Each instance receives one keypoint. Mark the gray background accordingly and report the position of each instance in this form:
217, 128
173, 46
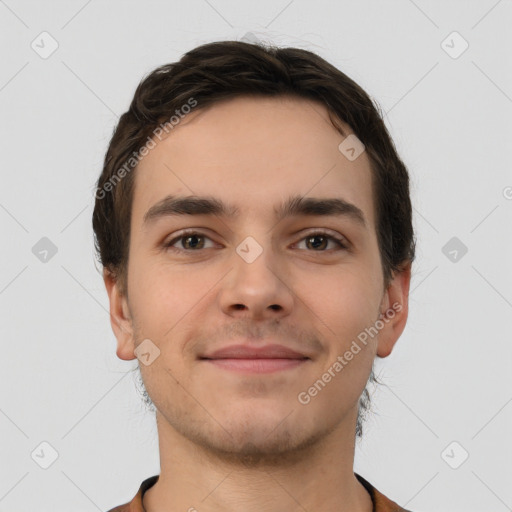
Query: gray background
448, 378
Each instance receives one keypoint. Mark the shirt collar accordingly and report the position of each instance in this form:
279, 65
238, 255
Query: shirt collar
380, 502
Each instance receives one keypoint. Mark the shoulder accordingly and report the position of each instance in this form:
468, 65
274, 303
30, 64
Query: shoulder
135, 505
381, 503
121, 508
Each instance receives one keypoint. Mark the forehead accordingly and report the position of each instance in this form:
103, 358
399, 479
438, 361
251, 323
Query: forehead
253, 153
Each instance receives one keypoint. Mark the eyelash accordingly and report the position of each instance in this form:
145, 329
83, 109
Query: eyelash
184, 234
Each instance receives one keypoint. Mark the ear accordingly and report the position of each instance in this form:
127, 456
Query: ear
120, 318
395, 302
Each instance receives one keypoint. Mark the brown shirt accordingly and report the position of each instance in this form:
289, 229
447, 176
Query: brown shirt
380, 502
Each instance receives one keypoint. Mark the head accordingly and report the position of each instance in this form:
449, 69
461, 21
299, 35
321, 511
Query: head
257, 130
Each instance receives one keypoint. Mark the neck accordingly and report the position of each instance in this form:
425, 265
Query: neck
315, 477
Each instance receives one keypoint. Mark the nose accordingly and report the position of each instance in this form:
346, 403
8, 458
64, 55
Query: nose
258, 289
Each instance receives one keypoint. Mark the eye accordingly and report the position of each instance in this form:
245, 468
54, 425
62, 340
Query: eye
194, 241
320, 239
190, 241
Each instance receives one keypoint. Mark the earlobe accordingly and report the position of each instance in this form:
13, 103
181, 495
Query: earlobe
395, 305
120, 318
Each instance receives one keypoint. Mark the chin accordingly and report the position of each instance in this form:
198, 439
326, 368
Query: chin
259, 446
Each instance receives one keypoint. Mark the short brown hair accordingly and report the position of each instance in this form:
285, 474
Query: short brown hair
221, 70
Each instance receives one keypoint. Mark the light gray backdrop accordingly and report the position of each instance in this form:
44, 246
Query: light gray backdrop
440, 436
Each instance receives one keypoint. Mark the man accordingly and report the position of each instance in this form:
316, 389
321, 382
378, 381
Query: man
254, 224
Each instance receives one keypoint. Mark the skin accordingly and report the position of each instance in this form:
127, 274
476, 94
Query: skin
232, 441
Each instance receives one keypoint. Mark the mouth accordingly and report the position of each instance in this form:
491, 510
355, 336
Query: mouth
246, 359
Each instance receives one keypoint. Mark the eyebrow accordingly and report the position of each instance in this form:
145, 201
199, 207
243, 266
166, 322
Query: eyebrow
294, 206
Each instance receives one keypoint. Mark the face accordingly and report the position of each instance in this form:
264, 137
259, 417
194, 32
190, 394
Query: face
305, 278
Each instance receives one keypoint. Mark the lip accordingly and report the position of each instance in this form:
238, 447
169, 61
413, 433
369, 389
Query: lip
246, 359
273, 351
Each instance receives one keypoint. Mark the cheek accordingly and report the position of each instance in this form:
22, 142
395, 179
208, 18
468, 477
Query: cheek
349, 307
344, 302
160, 296
345, 305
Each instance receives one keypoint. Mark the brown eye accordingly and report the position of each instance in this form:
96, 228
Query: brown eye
319, 241
190, 241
